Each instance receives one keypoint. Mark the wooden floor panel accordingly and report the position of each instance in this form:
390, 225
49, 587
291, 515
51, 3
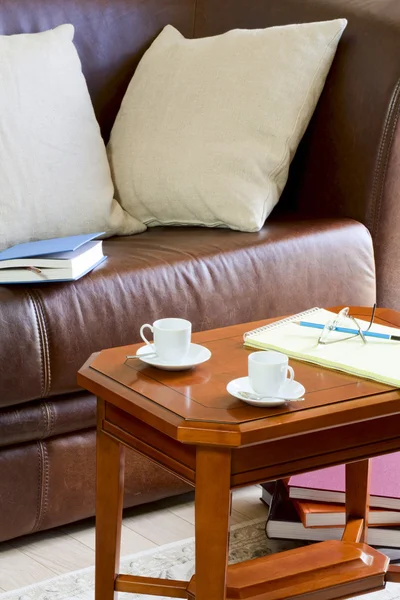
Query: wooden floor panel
44, 555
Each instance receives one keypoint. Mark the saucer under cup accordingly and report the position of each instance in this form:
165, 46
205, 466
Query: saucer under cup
196, 355
171, 338
291, 390
268, 372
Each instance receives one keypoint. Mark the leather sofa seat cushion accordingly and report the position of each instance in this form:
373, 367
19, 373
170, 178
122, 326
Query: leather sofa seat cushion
211, 277
52, 482
43, 419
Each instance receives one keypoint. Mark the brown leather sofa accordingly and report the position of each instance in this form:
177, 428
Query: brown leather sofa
315, 249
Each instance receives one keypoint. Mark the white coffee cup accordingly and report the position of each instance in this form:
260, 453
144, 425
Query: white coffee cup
268, 371
171, 338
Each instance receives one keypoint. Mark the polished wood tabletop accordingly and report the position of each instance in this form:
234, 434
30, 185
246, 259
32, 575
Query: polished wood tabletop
178, 402
188, 423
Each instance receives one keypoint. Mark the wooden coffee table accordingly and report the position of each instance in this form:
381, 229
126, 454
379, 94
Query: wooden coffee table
187, 423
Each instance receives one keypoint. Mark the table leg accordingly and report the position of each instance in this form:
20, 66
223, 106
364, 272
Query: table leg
212, 511
357, 493
110, 457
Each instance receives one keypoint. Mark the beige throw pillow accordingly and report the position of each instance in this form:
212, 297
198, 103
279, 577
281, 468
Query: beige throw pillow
208, 127
54, 175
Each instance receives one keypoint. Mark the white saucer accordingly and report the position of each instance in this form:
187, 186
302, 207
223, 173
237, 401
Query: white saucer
291, 390
197, 354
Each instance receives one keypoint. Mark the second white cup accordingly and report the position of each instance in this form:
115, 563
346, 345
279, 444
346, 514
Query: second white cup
268, 371
171, 338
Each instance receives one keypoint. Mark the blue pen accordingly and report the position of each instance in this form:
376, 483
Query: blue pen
383, 336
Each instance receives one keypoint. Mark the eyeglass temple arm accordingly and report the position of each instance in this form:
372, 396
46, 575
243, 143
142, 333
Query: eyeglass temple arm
372, 317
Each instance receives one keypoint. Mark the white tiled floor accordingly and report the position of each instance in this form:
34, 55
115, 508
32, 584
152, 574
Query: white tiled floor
43, 555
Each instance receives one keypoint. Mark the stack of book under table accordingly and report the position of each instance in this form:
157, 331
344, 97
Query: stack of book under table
311, 506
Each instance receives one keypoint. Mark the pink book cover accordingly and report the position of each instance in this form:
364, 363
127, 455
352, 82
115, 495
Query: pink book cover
384, 478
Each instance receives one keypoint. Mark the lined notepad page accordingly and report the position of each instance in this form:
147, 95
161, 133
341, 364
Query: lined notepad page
378, 359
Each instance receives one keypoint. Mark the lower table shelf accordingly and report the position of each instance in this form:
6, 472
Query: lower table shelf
325, 571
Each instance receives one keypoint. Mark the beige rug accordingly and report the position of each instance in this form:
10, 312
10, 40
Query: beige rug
173, 561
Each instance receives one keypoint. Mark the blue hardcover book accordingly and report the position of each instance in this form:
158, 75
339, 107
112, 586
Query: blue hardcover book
54, 245
59, 259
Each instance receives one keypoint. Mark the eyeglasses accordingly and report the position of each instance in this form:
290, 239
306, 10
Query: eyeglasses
344, 320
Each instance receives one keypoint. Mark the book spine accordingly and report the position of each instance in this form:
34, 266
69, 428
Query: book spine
302, 514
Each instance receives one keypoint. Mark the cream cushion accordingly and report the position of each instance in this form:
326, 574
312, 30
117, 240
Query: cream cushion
208, 127
54, 174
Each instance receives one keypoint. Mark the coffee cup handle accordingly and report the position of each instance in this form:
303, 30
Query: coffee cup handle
291, 373
142, 334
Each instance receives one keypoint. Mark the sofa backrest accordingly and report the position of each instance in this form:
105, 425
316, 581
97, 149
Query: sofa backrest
341, 166
110, 35
347, 163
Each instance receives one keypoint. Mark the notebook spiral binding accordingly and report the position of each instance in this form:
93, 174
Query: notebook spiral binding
276, 324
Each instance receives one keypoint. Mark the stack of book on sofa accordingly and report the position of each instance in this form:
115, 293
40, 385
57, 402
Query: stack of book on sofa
57, 259
311, 506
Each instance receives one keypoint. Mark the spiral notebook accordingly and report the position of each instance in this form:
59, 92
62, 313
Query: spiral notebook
378, 359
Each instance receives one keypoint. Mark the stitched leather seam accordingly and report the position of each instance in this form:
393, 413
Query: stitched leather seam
45, 341
39, 490
50, 408
45, 416
42, 375
42, 504
45, 497
383, 160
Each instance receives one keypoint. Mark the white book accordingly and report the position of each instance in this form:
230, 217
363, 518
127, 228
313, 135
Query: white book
57, 266
284, 523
